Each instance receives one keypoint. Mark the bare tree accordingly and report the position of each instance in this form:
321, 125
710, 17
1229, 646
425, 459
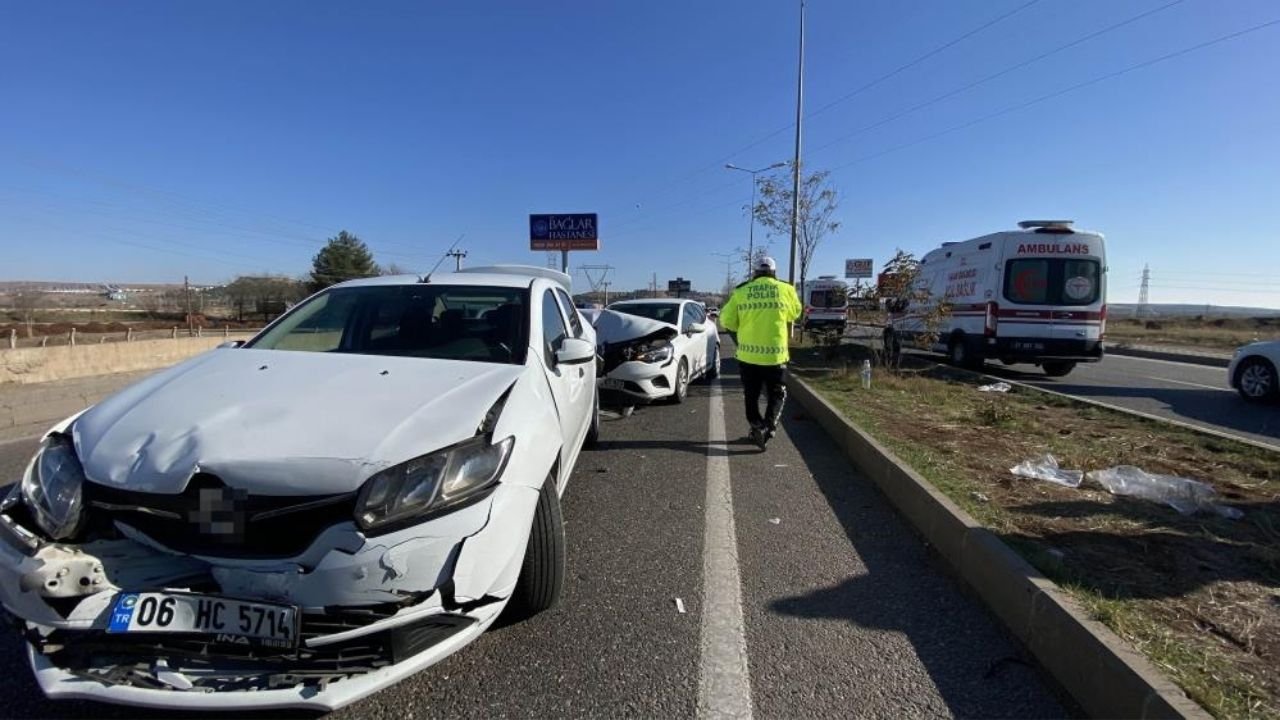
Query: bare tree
26, 302
900, 290
396, 269
818, 202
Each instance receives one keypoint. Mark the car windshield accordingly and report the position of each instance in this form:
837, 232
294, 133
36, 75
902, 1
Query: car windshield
1052, 281
662, 312
452, 322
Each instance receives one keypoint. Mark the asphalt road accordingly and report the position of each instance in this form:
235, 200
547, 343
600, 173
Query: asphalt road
1193, 394
843, 611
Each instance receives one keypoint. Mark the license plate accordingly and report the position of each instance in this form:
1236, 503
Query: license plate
1028, 346
611, 384
165, 612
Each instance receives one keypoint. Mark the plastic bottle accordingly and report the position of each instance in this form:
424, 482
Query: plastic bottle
866, 374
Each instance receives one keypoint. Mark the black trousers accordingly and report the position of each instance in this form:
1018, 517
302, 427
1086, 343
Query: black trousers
767, 378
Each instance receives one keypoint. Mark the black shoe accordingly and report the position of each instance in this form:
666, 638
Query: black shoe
758, 437
769, 433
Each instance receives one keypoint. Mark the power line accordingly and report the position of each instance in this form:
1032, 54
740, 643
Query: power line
857, 91
1059, 93
920, 59
999, 74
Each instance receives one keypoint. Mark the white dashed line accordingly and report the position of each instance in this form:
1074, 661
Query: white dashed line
724, 690
1191, 384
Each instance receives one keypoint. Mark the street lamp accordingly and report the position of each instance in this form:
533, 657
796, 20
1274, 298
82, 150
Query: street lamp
751, 234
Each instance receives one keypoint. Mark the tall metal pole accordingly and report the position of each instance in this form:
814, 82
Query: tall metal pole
564, 261
751, 234
795, 162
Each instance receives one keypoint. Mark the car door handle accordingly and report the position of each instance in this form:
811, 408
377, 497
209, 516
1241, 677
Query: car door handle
581, 372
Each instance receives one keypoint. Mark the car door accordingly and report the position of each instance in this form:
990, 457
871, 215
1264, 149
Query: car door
694, 347
571, 388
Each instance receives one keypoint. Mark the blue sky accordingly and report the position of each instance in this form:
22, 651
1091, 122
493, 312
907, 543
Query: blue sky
141, 141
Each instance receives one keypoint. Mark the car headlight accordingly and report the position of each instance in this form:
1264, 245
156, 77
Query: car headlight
431, 483
53, 488
657, 354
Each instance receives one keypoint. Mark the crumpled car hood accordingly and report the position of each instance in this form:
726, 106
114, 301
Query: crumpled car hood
283, 423
616, 327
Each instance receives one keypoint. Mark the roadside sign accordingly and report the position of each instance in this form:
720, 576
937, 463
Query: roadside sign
572, 231
679, 285
858, 268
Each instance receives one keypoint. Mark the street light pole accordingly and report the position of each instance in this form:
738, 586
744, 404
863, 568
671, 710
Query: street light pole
751, 233
795, 162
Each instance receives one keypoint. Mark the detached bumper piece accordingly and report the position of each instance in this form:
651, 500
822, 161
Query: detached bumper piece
201, 664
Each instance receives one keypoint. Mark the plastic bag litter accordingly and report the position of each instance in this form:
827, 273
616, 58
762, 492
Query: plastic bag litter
1000, 387
1182, 494
1046, 468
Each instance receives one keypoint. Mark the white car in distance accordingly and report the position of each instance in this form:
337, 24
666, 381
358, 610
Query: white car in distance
653, 349
349, 497
1253, 371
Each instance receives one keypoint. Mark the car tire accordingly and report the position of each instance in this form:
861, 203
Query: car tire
713, 367
1256, 380
1058, 368
542, 574
682, 382
593, 430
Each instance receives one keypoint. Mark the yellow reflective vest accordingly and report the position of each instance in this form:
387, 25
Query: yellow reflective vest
760, 312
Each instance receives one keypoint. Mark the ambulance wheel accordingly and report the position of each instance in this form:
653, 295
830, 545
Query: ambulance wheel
1058, 368
959, 354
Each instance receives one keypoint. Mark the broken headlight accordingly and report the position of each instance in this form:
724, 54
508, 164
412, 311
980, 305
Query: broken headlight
431, 483
53, 488
657, 353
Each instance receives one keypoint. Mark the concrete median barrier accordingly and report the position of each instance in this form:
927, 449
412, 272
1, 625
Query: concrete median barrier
1099, 670
24, 366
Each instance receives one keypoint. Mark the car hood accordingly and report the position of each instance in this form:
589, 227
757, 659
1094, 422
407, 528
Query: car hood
281, 422
614, 327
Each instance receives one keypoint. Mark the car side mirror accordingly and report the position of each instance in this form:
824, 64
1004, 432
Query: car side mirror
575, 351
696, 328
230, 344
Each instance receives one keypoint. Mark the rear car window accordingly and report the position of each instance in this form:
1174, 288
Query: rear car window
662, 312
450, 322
1053, 281
827, 298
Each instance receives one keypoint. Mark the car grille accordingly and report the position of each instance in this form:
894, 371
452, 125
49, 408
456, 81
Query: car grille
209, 518
129, 659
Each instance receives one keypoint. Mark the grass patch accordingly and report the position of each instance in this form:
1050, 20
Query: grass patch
1222, 334
1199, 594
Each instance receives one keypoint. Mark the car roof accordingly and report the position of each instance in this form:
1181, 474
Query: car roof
447, 278
651, 301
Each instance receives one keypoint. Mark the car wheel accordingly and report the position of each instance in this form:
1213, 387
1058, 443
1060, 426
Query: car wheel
1256, 380
542, 575
1058, 368
593, 431
682, 382
713, 367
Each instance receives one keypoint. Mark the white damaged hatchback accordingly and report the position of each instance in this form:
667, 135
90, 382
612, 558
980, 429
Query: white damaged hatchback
357, 492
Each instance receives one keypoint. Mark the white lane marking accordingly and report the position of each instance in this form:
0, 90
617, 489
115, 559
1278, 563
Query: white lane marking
1195, 366
724, 688
1184, 382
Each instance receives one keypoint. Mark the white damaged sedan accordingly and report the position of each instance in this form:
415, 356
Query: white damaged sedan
354, 494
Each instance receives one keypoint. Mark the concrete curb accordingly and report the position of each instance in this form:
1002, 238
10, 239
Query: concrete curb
1169, 355
1106, 676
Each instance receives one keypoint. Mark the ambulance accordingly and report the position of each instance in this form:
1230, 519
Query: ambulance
826, 304
1036, 295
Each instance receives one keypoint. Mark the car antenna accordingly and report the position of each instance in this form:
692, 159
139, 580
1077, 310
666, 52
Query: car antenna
427, 278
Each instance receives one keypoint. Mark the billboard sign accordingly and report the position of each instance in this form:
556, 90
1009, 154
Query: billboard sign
679, 285
573, 231
858, 268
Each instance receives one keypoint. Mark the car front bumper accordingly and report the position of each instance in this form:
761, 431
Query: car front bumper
636, 381
374, 610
